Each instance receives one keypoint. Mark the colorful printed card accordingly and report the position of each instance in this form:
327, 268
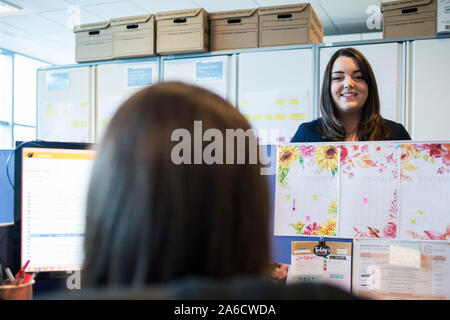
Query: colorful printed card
307, 188
425, 191
369, 190
334, 269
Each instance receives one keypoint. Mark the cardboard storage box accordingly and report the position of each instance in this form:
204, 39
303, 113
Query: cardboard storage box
182, 31
409, 18
133, 36
93, 42
236, 29
289, 24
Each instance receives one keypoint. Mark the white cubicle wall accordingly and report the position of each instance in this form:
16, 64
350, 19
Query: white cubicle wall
213, 72
275, 88
387, 62
116, 82
430, 89
65, 101
275, 91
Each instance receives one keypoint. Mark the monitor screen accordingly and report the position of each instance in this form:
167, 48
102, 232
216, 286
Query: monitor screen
52, 192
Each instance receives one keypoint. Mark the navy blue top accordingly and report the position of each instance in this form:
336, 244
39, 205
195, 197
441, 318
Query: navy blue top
311, 132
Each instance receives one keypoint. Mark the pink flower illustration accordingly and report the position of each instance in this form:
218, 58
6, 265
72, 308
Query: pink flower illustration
311, 229
390, 230
307, 151
365, 148
433, 235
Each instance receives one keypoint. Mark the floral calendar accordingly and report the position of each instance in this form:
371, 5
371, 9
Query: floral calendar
364, 190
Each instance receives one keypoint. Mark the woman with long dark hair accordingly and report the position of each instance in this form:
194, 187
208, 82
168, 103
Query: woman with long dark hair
349, 105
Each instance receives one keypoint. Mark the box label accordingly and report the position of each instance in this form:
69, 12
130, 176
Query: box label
139, 77
57, 80
209, 71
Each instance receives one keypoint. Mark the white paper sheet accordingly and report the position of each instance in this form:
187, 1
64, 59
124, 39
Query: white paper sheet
375, 277
369, 190
306, 196
425, 191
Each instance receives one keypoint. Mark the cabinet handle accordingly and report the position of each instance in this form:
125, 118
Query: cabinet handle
234, 20
132, 26
180, 20
285, 16
410, 10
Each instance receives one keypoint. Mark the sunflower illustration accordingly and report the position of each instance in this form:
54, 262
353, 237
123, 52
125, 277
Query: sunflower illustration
332, 207
288, 155
328, 228
327, 158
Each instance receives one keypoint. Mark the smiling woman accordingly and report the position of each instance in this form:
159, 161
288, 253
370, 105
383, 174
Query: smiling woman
350, 105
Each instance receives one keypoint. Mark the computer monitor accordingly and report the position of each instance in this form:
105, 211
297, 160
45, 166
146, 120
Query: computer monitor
50, 191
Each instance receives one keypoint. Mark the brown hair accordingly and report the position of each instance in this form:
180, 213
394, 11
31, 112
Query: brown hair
371, 126
152, 221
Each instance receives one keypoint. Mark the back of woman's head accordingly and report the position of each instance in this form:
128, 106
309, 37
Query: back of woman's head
150, 220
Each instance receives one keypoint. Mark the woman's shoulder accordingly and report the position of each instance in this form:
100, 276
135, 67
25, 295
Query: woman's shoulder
309, 132
398, 131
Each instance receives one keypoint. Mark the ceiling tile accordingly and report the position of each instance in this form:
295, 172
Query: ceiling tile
66, 39
13, 31
89, 2
345, 10
41, 5
212, 6
268, 3
115, 10
34, 24
164, 5
70, 18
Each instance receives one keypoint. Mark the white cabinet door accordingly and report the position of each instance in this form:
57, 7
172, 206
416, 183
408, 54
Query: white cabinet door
65, 104
430, 103
116, 82
215, 73
386, 62
275, 92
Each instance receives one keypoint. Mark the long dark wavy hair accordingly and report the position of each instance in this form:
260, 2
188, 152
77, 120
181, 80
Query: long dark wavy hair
372, 126
150, 220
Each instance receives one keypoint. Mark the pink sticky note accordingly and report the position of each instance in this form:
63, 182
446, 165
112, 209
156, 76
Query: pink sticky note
308, 218
365, 200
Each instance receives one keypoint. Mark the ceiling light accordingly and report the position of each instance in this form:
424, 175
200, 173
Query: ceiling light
7, 8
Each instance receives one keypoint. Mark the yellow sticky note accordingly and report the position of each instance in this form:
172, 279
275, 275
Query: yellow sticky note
74, 124
413, 221
280, 117
280, 101
288, 197
49, 106
247, 117
420, 213
257, 117
293, 101
83, 124
84, 104
268, 117
244, 103
315, 197
48, 113
104, 122
297, 116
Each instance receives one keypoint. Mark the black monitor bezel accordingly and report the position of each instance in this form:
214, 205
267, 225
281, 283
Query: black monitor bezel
17, 228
